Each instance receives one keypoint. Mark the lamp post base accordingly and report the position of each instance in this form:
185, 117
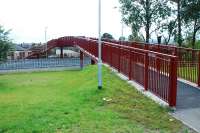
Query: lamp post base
99, 87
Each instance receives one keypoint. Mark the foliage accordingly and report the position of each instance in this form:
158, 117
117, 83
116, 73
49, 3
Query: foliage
191, 17
36, 44
142, 14
170, 29
136, 38
69, 101
122, 38
5, 44
107, 36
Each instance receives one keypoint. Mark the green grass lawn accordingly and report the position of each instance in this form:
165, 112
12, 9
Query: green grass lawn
188, 73
69, 101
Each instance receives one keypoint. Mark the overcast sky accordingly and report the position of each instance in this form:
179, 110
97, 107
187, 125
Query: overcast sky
28, 18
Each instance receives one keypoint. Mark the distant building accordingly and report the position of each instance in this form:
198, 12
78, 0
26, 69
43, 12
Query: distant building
67, 53
19, 53
26, 45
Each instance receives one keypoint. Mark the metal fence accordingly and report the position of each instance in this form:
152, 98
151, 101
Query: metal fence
42, 63
155, 71
188, 59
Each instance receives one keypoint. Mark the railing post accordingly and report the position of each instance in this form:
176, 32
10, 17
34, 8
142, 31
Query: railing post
199, 70
175, 51
158, 59
81, 59
119, 60
130, 65
172, 82
146, 71
110, 55
146, 46
158, 48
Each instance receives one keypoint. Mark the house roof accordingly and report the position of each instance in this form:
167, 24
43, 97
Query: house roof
19, 48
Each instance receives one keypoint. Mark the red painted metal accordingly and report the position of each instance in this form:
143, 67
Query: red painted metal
119, 59
130, 65
199, 70
81, 59
173, 82
146, 73
134, 60
188, 59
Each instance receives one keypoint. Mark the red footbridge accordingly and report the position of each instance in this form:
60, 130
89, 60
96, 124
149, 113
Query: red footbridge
157, 68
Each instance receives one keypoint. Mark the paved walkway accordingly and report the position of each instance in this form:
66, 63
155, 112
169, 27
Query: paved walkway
188, 105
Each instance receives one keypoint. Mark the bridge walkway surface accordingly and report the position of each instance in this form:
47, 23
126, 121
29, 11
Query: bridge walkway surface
188, 105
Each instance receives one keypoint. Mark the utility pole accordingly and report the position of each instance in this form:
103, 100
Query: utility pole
122, 23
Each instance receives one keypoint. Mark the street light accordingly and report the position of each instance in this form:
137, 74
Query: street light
99, 51
45, 37
122, 24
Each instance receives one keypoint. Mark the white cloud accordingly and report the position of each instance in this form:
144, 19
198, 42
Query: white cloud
28, 18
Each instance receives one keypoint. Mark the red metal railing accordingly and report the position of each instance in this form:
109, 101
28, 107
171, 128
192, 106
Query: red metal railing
155, 71
188, 59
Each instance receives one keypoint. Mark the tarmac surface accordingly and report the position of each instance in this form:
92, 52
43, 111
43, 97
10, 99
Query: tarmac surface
188, 105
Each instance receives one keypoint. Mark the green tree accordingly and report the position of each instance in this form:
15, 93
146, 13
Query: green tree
122, 38
142, 14
191, 17
5, 43
168, 31
136, 37
107, 36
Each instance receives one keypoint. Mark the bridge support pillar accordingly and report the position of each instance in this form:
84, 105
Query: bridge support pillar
38, 56
61, 52
81, 59
92, 62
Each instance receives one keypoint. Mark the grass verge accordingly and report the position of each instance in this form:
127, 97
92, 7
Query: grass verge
69, 101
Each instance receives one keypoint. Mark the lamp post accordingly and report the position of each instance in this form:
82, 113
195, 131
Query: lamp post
122, 24
45, 36
99, 50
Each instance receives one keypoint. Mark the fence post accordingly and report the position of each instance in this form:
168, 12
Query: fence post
81, 59
199, 70
110, 55
146, 46
119, 60
158, 59
173, 82
146, 71
130, 65
175, 51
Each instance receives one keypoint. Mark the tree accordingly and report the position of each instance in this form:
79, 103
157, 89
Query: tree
144, 13
5, 43
179, 17
107, 36
122, 38
169, 30
191, 17
135, 37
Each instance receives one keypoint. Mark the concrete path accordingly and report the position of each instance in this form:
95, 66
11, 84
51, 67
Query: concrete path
188, 105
